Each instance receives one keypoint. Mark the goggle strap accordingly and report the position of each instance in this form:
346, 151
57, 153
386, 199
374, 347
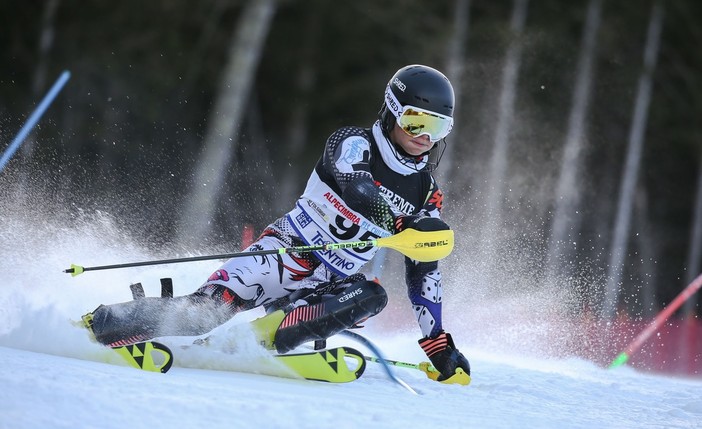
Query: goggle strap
393, 103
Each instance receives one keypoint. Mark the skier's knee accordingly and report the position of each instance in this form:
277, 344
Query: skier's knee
356, 303
222, 296
368, 295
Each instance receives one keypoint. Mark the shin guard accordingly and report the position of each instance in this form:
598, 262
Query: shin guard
322, 320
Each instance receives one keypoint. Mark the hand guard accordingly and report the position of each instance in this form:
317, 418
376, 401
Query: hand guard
451, 366
420, 223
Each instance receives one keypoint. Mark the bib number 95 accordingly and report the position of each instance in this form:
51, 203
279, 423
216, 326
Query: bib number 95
345, 230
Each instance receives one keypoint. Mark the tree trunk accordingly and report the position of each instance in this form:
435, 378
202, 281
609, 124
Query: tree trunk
46, 41
499, 158
695, 251
293, 179
455, 65
632, 165
564, 230
221, 139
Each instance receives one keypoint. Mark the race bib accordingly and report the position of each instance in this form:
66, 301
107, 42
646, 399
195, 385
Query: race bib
321, 217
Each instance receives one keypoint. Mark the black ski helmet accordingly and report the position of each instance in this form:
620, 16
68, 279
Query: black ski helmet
423, 87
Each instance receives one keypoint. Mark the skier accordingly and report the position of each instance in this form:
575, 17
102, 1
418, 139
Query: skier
369, 183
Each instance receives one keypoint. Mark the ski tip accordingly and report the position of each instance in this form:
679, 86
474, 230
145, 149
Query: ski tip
148, 356
360, 360
165, 354
336, 365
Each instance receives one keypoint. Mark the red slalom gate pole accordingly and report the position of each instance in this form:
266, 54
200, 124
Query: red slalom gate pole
657, 322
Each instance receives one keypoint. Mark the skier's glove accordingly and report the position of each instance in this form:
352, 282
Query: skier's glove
451, 365
420, 223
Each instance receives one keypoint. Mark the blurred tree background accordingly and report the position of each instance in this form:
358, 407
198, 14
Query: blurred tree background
128, 132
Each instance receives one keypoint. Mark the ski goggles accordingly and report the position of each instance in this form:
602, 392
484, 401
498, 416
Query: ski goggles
416, 121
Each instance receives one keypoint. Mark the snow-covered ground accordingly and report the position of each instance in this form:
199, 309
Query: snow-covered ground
41, 390
51, 376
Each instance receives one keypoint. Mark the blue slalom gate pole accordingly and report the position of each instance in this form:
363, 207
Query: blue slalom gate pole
34, 118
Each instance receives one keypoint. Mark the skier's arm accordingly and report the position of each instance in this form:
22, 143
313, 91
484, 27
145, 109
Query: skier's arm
347, 158
425, 293
424, 289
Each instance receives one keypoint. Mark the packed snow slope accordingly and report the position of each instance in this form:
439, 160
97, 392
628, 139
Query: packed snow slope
52, 376
41, 390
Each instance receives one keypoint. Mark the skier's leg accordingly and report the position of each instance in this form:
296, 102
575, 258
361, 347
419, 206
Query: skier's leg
146, 318
240, 284
319, 319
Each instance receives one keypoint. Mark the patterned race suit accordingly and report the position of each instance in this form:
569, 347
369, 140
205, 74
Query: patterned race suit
356, 191
322, 215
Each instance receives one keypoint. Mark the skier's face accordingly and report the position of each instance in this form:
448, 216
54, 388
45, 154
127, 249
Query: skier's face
413, 145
